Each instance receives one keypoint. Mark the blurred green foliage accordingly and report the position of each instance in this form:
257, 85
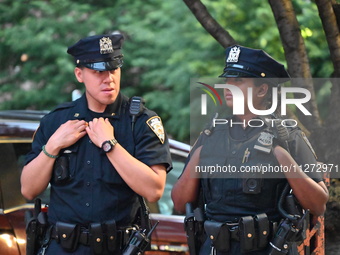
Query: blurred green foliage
165, 46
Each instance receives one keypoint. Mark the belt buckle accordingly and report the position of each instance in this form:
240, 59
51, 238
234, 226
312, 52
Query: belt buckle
234, 231
84, 236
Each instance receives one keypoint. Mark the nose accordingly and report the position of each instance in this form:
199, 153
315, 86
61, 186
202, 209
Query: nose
230, 81
108, 76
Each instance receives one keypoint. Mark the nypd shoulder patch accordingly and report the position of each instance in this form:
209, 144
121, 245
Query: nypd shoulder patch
155, 123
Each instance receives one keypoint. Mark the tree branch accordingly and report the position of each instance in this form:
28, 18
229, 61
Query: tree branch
209, 23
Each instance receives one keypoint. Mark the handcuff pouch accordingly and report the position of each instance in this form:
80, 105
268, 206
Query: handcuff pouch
68, 235
219, 235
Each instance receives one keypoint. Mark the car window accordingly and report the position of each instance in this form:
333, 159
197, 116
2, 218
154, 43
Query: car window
12, 157
165, 205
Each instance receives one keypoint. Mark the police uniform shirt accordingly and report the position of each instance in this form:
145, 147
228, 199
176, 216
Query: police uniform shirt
225, 198
95, 191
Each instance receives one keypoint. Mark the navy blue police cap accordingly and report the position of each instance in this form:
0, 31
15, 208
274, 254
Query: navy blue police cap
98, 52
246, 62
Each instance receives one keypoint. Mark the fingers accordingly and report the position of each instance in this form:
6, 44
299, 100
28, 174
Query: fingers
98, 121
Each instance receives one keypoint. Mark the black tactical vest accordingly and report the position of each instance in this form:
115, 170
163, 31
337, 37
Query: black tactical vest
232, 190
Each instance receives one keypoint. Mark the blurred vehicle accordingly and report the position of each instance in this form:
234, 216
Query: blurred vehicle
16, 131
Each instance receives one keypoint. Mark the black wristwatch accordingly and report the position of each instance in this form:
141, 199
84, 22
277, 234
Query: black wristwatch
108, 145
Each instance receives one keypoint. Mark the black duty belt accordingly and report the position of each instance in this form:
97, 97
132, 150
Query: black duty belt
253, 233
98, 236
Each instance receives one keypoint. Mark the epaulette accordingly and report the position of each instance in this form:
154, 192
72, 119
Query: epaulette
63, 106
210, 127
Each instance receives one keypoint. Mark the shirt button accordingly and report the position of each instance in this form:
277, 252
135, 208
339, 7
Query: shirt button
88, 162
233, 152
87, 204
88, 184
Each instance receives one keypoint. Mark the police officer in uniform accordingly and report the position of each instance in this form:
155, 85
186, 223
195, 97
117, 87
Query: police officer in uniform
98, 154
238, 204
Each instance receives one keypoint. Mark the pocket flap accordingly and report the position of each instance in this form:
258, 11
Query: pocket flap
212, 228
219, 235
68, 235
66, 230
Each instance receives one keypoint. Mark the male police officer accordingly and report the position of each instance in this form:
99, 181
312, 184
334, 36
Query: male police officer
241, 207
98, 154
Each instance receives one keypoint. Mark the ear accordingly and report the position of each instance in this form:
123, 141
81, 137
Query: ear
78, 73
262, 90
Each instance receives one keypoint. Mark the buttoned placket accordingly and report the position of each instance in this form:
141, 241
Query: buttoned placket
88, 177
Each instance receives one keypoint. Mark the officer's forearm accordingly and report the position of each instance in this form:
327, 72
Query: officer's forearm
186, 189
146, 181
311, 195
36, 176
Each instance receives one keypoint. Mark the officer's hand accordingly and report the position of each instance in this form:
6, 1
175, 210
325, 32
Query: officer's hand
66, 135
100, 130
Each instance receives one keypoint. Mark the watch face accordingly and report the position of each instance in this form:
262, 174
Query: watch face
107, 146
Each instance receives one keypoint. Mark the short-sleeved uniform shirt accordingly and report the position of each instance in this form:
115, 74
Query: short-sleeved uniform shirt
95, 191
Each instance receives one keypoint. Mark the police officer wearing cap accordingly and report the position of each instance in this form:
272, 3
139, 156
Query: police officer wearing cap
241, 209
98, 155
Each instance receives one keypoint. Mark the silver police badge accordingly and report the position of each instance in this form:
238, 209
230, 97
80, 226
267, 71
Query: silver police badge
105, 45
264, 142
234, 54
266, 138
155, 123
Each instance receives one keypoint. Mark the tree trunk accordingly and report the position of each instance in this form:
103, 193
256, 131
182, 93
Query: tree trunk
296, 56
330, 139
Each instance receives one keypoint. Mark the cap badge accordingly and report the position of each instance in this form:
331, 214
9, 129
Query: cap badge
234, 54
105, 45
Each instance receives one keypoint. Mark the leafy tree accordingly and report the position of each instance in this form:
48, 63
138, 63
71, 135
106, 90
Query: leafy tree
35, 71
164, 48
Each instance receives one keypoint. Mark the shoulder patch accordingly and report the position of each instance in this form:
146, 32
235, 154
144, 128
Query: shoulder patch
155, 123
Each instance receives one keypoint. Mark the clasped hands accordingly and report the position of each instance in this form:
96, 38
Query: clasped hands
98, 130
